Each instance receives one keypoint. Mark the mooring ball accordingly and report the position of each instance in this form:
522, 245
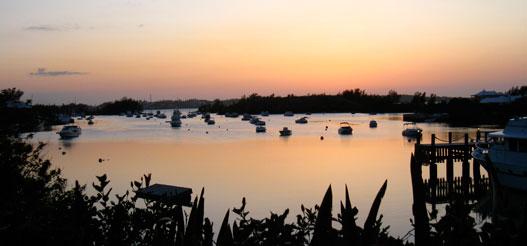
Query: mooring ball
100, 160
321, 137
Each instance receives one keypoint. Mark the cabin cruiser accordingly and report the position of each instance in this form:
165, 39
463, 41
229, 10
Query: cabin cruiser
70, 131
254, 119
345, 129
176, 114
175, 123
231, 115
285, 132
260, 129
260, 123
505, 156
264, 113
246, 117
412, 131
302, 120
373, 124
289, 113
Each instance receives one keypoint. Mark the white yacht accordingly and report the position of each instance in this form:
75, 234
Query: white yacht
70, 131
506, 154
285, 132
412, 131
345, 129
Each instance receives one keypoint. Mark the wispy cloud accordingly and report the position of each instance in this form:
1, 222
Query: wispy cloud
42, 72
52, 28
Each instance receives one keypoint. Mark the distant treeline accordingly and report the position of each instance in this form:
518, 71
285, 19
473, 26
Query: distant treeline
20, 116
171, 104
462, 111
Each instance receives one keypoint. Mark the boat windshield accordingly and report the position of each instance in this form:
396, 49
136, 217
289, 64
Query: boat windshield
517, 145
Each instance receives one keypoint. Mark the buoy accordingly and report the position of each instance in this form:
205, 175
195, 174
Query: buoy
207, 132
321, 137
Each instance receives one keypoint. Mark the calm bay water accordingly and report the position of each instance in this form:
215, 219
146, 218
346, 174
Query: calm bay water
232, 161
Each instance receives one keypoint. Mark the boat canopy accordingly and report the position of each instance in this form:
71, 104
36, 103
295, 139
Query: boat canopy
516, 128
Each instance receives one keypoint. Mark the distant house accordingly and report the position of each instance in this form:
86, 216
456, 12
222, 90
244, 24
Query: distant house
504, 99
485, 96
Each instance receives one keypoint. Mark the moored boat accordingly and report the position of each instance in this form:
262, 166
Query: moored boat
373, 124
505, 156
302, 120
70, 131
285, 132
260, 129
345, 129
412, 131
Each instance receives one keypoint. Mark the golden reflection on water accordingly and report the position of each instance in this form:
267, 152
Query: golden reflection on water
273, 173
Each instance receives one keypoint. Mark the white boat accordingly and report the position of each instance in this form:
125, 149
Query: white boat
285, 132
176, 115
254, 119
302, 120
505, 156
260, 129
345, 129
289, 113
175, 123
70, 131
246, 117
373, 124
412, 131
260, 123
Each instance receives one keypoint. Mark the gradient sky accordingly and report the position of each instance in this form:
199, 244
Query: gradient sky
61, 50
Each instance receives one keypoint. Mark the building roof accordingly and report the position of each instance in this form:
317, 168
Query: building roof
500, 99
485, 93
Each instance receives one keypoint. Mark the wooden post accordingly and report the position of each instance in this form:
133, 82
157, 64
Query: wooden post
476, 174
422, 229
433, 171
450, 167
465, 175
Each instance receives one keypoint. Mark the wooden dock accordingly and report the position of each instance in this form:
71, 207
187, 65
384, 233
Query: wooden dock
442, 190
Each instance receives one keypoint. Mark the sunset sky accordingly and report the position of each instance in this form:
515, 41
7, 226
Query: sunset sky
61, 50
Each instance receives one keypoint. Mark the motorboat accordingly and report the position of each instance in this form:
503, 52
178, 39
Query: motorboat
302, 120
175, 123
412, 131
260, 123
505, 155
176, 114
285, 132
191, 115
254, 119
345, 129
289, 114
211, 121
90, 122
373, 124
231, 115
161, 116
260, 129
246, 117
90, 117
70, 131
264, 113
